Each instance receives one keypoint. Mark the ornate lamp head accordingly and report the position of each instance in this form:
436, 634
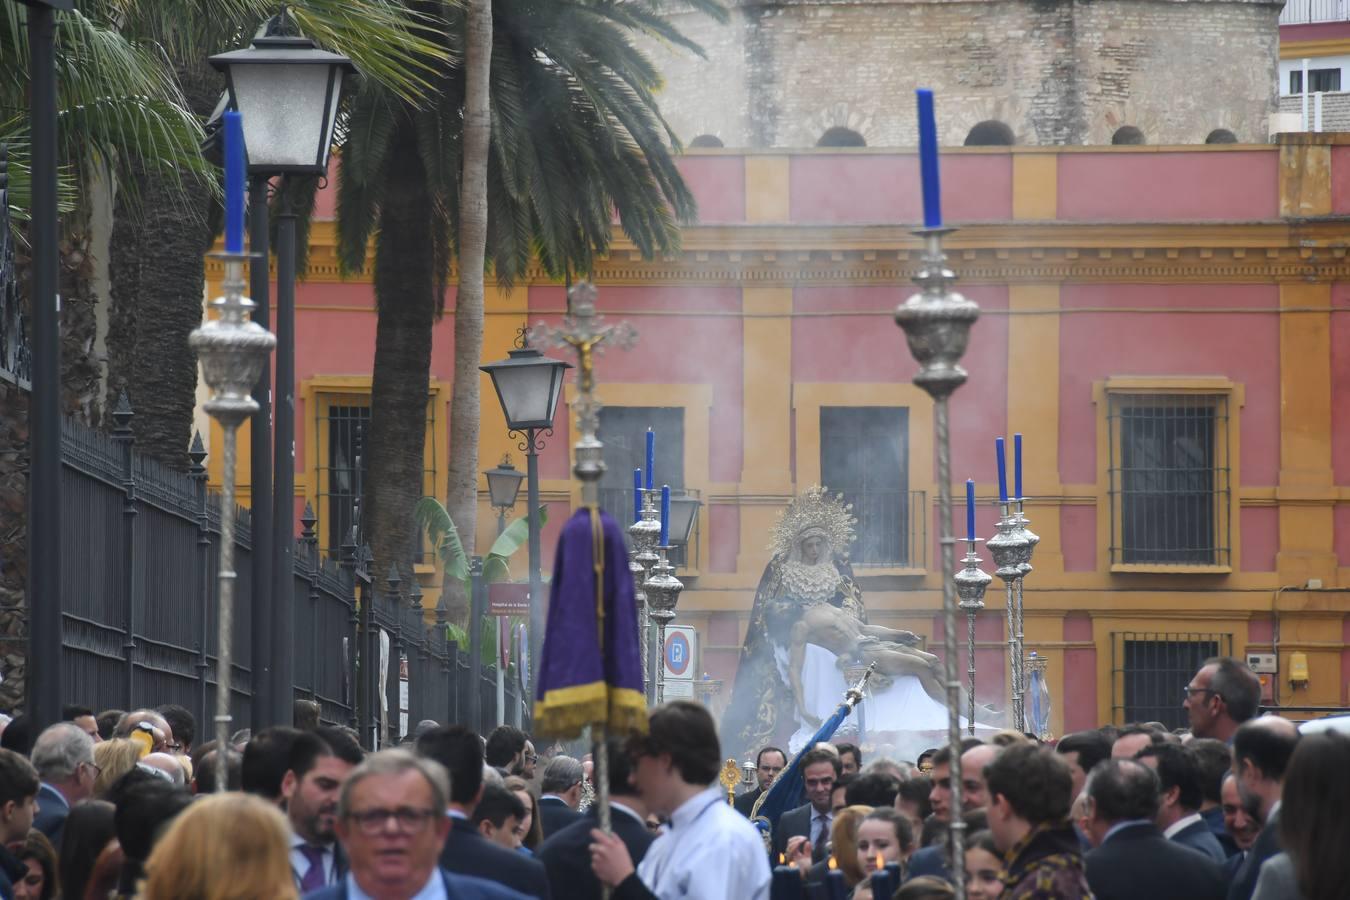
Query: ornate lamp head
971, 582
232, 350
937, 321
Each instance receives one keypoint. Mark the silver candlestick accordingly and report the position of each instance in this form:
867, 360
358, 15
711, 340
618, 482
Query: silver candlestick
971, 583
1011, 551
937, 324
663, 593
1020, 522
232, 350
644, 535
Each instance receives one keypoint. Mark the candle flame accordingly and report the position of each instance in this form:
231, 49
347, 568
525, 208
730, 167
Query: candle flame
782, 858
833, 865
881, 862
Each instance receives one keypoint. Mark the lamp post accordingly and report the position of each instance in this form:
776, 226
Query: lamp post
528, 385
503, 489
288, 91
44, 450
232, 352
683, 516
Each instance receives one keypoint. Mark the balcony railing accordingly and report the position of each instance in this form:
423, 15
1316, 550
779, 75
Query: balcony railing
892, 529
1305, 12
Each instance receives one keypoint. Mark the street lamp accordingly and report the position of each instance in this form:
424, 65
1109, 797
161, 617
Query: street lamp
683, 515
528, 385
287, 91
503, 487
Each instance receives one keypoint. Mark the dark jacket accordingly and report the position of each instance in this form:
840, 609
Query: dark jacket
1046, 865
11, 870
460, 887
567, 859
1138, 862
469, 853
929, 861
1198, 837
555, 815
746, 802
1267, 845
792, 823
339, 866
1214, 819
51, 815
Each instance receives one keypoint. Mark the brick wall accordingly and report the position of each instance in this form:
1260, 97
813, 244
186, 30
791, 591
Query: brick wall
782, 72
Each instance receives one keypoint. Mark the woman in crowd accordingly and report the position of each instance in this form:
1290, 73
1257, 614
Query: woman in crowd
114, 758
89, 828
224, 847
531, 832
40, 883
884, 837
984, 867
1314, 828
844, 843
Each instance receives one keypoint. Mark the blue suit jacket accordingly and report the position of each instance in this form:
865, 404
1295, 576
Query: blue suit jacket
458, 887
1197, 836
52, 812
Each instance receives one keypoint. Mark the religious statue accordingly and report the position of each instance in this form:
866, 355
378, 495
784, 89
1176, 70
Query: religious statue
807, 624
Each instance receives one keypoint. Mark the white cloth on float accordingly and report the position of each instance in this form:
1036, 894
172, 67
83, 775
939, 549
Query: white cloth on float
902, 716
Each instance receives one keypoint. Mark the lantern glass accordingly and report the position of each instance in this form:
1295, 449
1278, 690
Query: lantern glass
504, 484
528, 385
683, 515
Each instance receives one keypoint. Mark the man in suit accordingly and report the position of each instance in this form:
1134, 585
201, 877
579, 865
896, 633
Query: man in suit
1082, 750
64, 758
319, 765
1132, 858
1179, 798
769, 764
812, 820
560, 794
460, 752
1241, 821
976, 757
510, 749
1216, 762
1261, 751
566, 855
1222, 695
392, 822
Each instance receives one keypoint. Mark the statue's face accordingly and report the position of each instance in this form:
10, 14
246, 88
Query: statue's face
813, 548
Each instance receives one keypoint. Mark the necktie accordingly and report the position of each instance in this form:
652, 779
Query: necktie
822, 837
314, 877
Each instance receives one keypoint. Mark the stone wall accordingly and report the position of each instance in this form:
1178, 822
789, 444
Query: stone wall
784, 71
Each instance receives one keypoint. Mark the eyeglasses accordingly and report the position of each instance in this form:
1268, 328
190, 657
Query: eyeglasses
98, 770
1188, 692
406, 819
531, 758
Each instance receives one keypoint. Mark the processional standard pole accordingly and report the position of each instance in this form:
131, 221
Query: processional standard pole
937, 323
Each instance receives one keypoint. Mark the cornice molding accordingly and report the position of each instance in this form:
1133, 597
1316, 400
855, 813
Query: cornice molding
991, 253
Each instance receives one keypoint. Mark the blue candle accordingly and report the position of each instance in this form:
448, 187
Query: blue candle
651, 457
665, 515
1002, 470
787, 884
836, 888
970, 509
637, 495
1017, 466
928, 160
881, 884
893, 869
234, 182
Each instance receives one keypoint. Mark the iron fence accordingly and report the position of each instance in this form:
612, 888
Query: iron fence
139, 608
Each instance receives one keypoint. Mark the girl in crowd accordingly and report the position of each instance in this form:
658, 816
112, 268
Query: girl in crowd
530, 831
40, 882
885, 836
89, 829
984, 865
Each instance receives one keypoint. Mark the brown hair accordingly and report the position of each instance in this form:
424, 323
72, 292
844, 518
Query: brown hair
844, 841
1313, 826
535, 836
685, 730
37, 848
114, 757
223, 847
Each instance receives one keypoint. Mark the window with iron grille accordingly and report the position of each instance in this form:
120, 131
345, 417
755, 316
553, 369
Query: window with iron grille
623, 430
864, 455
1150, 671
342, 435
1169, 479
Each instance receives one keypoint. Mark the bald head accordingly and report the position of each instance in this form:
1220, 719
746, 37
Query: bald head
1261, 751
974, 789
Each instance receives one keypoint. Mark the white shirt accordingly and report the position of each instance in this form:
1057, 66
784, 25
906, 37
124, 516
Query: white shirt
300, 862
434, 889
709, 852
1181, 825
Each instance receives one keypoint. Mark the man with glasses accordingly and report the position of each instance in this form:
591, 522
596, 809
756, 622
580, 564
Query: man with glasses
811, 820
560, 794
64, 758
1222, 695
392, 823
769, 764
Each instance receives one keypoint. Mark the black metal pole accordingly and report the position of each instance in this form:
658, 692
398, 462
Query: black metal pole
476, 591
283, 478
537, 611
260, 468
45, 694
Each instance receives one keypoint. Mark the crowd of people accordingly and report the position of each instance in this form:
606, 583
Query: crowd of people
124, 804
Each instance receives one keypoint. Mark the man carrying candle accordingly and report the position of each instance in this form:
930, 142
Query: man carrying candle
709, 852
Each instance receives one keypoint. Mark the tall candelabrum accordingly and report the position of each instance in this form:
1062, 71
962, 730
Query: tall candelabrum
232, 350
937, 323
644, 535
971, 583
663, 593
1011, 547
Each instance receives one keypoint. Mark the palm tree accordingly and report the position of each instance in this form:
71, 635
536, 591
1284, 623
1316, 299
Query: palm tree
576, 138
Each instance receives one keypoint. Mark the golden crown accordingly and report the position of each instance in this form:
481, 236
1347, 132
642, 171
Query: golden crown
816, 508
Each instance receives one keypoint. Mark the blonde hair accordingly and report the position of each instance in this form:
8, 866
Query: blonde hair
844, 841
114, 757
228, 846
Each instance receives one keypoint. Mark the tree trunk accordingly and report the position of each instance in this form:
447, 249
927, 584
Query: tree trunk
462, 493
405, 297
